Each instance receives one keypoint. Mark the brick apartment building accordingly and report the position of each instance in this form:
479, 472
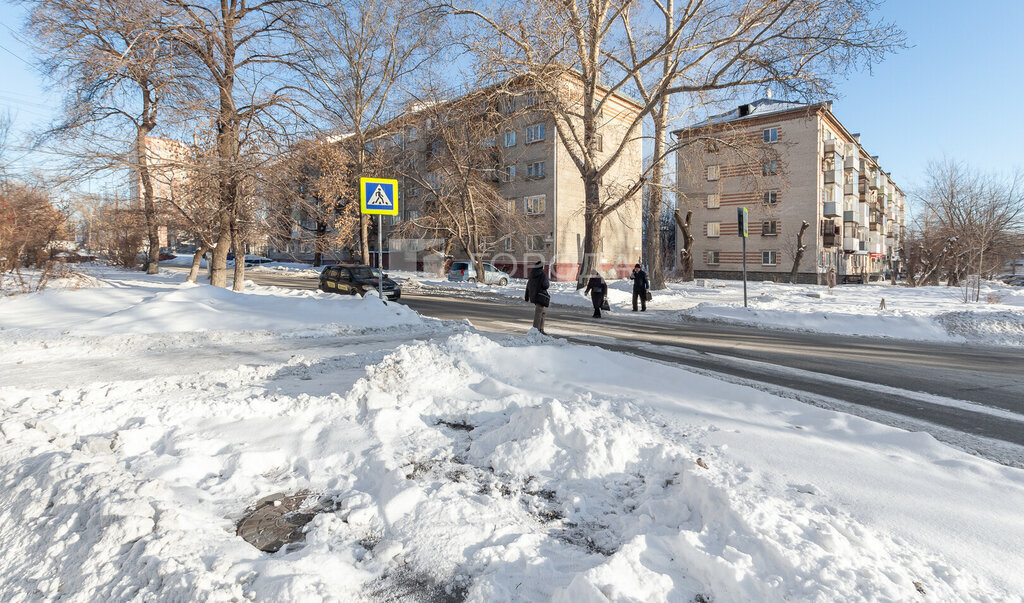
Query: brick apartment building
535, 175
787, 163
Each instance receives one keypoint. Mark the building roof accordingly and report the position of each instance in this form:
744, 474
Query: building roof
758, 108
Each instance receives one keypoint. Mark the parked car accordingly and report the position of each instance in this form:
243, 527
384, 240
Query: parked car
464, 271
256, 260
1015, 280
358, 279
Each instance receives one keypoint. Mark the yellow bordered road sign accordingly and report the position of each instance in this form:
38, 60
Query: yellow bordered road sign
378, 196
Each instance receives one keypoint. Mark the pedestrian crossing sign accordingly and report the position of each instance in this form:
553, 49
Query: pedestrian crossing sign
378, 196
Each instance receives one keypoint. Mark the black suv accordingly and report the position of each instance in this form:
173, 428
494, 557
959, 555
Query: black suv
357, 279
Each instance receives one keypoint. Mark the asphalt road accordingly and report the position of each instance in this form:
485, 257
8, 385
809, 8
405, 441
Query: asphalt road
920, 381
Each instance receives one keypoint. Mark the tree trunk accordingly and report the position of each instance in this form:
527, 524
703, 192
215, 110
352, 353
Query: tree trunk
238, 247
592, 220
364, 239
193, 273
219, 262
320, 243
686, 253
652, 249
799, 252
148, 205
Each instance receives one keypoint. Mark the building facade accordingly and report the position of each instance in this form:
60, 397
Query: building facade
787, 163
538, 181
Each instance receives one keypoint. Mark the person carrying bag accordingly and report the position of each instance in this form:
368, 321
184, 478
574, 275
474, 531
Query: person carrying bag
537, 294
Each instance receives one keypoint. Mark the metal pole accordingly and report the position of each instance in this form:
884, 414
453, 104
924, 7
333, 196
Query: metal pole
744, 272
380, 256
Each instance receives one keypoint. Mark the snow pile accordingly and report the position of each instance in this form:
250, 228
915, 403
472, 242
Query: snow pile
452, 467
125, 302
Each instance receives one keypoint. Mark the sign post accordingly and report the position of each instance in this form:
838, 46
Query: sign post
741, 220
379, 196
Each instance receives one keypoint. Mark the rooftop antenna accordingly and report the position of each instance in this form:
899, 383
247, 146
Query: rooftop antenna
769, 93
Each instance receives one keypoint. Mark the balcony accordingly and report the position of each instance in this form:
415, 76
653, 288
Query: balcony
831, 210
863, 245
875, 180
850, 244
833, 176
848, 216
830, 146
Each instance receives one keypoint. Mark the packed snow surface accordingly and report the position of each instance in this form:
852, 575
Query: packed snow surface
141, 418
921, 313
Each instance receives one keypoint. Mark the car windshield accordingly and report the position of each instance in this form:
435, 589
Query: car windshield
363, 272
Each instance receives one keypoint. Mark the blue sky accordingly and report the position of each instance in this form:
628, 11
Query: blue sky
953, 93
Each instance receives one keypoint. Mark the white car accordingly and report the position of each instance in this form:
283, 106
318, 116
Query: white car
464, 271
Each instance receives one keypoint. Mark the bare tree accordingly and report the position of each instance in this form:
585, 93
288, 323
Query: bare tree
360, 57
118, 69
247, 56
599, 48
977, 216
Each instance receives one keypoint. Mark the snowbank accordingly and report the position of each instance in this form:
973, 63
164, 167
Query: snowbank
451, 467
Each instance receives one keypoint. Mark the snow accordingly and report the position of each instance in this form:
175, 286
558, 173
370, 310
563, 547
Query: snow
142, 417
930, 313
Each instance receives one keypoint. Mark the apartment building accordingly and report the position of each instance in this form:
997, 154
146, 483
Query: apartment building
788, 163
535, 175
167, 162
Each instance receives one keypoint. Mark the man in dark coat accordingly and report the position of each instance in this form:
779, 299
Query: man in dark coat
597, 289
537, 294
640, 287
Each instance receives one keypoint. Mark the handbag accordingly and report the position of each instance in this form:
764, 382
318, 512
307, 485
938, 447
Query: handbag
648, 296
605, 306
542, 298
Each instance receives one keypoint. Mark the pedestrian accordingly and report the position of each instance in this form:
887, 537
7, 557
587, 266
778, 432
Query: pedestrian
537, 294
640, 287
830, 278
597, 289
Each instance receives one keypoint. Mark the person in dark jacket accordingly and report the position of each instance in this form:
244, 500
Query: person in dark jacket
597, 289
640, 287
537, 294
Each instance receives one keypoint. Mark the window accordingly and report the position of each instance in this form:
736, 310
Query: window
508, 173
530, 99
770, 167
713, 229
432, 180
413, 214
713, 257
771, 197
412, 191
535, 133
508, 244
510, 138
509, 106
537, 169
511, 206
395, 219
535, 242
714, 172
771, 135
769, 258
714, 201
437, 148
535, 205
600, 143
429, 123
487, 143
412, 135
769, 228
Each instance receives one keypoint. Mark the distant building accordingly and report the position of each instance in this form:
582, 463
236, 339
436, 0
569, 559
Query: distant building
536, 175
167, 161
787, 163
